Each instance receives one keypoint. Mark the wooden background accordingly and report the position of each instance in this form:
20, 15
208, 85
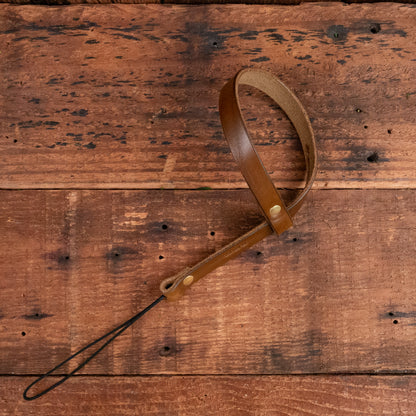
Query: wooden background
284, 2
115, 175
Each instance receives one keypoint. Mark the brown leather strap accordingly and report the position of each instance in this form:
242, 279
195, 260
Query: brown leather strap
242, 148
278, 216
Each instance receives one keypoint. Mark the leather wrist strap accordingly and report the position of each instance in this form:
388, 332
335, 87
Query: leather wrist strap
278, 216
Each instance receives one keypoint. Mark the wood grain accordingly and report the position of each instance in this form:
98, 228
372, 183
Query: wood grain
115, 97
210, 395
334, 294
259, 2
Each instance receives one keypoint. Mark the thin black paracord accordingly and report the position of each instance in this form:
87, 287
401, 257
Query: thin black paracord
116, 331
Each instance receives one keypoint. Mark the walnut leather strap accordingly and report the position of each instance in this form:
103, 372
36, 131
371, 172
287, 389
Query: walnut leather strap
278, 215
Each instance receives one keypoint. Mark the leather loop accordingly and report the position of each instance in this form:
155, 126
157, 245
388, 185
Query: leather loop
236, 133
278, 216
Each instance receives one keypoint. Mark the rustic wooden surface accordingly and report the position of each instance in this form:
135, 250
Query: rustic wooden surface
64, 254
215, 395
115, 97
260, 2
91, 98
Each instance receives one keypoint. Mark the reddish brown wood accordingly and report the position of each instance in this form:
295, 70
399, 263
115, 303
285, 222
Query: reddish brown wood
116, 97
259, 2
324, 297
214, 395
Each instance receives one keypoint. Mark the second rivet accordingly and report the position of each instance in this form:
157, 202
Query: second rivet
188, 280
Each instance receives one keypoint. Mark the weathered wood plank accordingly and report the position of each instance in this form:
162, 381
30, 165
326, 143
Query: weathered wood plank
215, 395
115, 97
261, 2
334, 294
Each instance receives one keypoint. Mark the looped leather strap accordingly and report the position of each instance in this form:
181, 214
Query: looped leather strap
244, 153
278, 215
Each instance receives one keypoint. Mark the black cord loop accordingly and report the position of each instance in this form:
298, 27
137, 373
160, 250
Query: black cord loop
116, 331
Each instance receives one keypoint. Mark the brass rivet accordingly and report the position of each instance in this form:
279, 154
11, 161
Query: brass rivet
275, 211
188, 280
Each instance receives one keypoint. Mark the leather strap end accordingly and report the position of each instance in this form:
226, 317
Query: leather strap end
173, 287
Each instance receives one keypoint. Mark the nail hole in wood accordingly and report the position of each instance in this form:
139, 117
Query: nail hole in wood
259, 253
366, 127
212, 233
164, 227
375, 28
23, 333
389, 131
395, 321
165, 351
161, 257
391, 313
15, 141
373, 158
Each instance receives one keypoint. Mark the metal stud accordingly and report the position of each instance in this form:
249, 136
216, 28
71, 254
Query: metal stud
188, 280
275, 211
